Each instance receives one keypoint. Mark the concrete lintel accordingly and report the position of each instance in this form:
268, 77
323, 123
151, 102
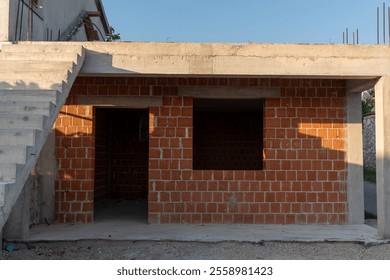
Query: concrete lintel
359, 86
230, 92
120, 101
382, 124
355, 158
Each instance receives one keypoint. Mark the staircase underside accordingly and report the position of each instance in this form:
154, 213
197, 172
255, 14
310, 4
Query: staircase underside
35, 81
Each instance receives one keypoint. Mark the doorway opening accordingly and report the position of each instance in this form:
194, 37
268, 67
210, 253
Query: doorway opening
121, 164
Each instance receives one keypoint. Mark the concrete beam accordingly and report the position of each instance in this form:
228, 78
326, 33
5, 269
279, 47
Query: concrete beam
382, 123
360, 85
230, 92
219, 59
355, 158
287, 60
4, 20
120, 101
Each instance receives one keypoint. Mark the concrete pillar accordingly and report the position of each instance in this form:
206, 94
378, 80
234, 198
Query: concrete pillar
46, 170
4, 20
355, 158
382, 124
18, 223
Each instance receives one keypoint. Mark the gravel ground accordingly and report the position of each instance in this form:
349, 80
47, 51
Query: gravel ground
151, 250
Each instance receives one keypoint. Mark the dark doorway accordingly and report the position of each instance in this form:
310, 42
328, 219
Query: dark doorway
121, 163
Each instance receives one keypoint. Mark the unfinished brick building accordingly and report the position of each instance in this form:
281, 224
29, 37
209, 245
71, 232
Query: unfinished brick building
209, 134
274, 155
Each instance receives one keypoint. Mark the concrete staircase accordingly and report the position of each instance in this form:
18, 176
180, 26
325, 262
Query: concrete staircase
35, 80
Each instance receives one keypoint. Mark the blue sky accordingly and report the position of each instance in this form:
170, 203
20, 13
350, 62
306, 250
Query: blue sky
242, 21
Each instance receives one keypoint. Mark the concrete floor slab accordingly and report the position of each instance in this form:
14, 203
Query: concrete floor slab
121, 230
124, 221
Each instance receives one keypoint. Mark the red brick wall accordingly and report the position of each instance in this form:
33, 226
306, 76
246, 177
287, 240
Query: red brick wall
102, 152
304, 175
75, 150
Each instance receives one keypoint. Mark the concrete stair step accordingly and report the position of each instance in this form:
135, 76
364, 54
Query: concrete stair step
31, 108
35, 75
13, 154
42, 47
8, 66
7, 172
15, 121
29, 95
15, 137
15, 56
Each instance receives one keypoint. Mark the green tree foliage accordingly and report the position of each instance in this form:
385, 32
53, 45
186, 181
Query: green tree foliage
367, 106
113, 37
368, 101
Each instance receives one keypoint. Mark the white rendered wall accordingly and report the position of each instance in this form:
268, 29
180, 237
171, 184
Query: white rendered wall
52, 18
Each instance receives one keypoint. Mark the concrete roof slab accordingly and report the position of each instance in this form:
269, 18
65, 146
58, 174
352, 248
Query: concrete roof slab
342, 61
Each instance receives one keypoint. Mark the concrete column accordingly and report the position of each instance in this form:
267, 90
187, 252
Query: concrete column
355, 158
4, 20
46, 170
18, 223
382, 127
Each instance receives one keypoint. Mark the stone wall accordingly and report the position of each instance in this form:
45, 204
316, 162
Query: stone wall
369, 151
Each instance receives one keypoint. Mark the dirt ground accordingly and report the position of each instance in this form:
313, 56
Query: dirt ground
152, 250
173, 250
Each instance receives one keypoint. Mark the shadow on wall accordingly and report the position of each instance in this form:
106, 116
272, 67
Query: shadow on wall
106, 63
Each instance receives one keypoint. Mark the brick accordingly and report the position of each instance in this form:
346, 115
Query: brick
87, 207
217, 219
222, 208
202, 186
212, 186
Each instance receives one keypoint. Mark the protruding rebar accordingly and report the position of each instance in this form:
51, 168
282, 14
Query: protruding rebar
377, 25
357, 36
384, 23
